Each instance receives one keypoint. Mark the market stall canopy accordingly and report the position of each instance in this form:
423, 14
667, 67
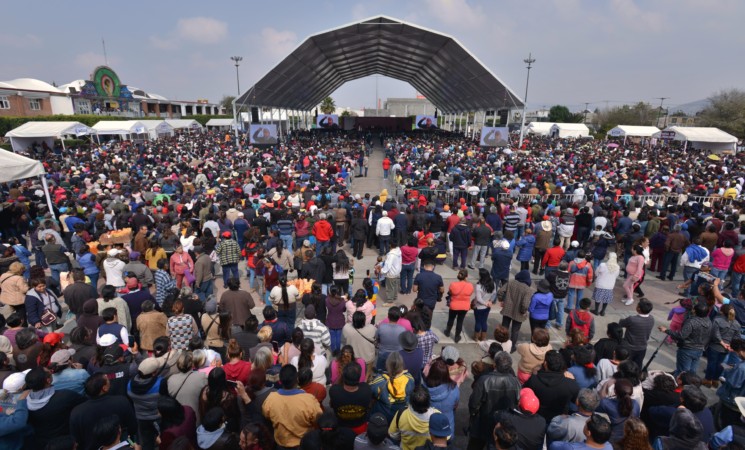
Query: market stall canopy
539, 128
707, 138
565, 130
435, 64
157, 127
120, 127
180, 124
28, 133
17, 167
632, 130
229, 123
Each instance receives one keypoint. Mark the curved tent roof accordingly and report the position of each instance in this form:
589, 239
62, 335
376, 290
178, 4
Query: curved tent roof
540, 128
632, 130
120, 127
48, 129
563, 130
184, 123
700, 134
437, 65
220, 123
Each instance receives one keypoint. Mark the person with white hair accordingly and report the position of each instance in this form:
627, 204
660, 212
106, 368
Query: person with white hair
383, 230
606, 276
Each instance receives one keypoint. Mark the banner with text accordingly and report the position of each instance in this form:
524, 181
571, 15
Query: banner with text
495, 137
327, 121
426, 123
263, 133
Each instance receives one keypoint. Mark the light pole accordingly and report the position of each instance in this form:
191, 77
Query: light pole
237, 60
659, 112
529, 62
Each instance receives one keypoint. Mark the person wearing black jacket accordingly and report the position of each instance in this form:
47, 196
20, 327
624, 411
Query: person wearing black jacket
460, 237
358, 230
692, 339
530, 426
493, 391
48, 409
553, 389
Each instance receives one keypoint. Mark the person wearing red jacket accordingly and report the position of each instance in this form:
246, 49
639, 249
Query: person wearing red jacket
386, 166
552, 257
323, 231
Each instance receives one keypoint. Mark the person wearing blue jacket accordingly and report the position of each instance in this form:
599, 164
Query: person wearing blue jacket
525, 246
13, 425
443, 391
540, 305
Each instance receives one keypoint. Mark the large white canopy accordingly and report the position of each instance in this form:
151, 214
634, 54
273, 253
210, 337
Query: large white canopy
539, 128
632, 130
564, 130
120, 127
180, 124
220, 123
157, 127
17, 167
707, 138
28, 133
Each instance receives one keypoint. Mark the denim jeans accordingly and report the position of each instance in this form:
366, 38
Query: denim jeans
229, 271
686, 360
479, 253
407, 277
671, 260
385, 244
737, 278
573, 298
462, 254
687, 274
481, 317
559, 312
94, 279
719, 273
251, 277
287, 241
57, 269
320, 245
335, 339
204, 290
385, 174
714, 361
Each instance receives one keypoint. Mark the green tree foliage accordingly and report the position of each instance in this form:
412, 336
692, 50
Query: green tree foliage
328, 105
561, 114
638, 114
726, 111
227, 102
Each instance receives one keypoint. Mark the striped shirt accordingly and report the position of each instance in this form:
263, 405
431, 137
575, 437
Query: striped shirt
228, 252
163, 285
511, 221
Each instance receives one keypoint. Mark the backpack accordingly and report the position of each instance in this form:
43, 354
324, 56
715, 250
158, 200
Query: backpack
584, 326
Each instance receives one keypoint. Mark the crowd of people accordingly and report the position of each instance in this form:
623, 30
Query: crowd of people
125, 324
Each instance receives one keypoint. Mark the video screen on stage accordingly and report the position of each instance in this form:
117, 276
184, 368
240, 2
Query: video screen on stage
263, 134
327, 121
495, 137
426, 122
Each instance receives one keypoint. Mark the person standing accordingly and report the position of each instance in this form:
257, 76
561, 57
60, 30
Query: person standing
525, 246
460, 302
229, 254
392, 270
724, 329
692, 339
481, 239
292, 411
552, 257
544, 234
638, 329
514, 298
428, 285
634, 273
383, 230
409, 253
486, 295
540, 305
386, 168
675, 243
559, 280
203, 278
607, 274
55, 256
580, 277
460, 238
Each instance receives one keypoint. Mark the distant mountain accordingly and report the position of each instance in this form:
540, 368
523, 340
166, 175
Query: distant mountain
691, 108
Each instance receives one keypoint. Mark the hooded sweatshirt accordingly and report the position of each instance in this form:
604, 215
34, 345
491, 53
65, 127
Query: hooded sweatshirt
335, 308
206, 439
555, 391
445, 398
531, 356
391, 394
144, 393
114, 268
49, 411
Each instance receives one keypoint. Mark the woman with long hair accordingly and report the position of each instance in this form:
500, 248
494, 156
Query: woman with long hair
635, 436
360, 303
308, 358
391, 390
217, 394
316, 298
583, 368
154, 253
180, 263
291, 349
284, 297
343, 267
486, 295
443, 391
175, 420
620, 407
606, 276
236, 369
282, 256
460, 302
335, 320
181, 327
724, 329
345, 356
634, 271
605, 347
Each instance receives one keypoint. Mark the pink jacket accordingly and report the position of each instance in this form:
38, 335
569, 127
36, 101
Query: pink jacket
635, 267
721, 261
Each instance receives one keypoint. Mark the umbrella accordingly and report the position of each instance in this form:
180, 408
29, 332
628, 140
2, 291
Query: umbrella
614, 145
714, 157
266, 156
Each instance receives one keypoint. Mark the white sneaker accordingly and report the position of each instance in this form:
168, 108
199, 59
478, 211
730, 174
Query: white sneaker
628, 301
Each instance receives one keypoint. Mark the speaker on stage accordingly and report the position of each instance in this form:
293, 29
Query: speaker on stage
254, 114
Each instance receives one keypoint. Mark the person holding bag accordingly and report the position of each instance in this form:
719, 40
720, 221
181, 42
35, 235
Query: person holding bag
181, 263
42, 307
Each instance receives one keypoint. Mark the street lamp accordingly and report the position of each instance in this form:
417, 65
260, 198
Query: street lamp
237, 60
529, 62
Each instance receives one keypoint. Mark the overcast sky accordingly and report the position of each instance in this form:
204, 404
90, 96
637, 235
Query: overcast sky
619, 51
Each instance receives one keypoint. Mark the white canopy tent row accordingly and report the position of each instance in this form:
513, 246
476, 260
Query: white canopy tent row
185, 124
156, 128
539, 128
704, 138
27, 134
221, 124
125, 129
567, 130
626, 131
18, 167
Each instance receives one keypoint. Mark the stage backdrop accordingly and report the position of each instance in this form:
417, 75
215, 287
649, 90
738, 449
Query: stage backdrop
426, 122
327, 121
263, 134
495, 137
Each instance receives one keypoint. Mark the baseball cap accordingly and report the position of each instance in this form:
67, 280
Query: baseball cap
134, 255
226, 234
528, 401
439, 425
450, 353
148, 366
53, 338
62, 356
575, 244
107, 340
113, 252
15, 382
377, 427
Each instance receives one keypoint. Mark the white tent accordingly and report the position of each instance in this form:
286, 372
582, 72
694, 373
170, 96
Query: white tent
539, 128
705, 138
221, 123
632, 130
17, 167
121, 128
156, 128
28, 133
180, 124
565, 130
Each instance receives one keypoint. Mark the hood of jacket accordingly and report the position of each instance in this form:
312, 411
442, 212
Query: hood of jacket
112, 262
439, 393
142, 386
397, 386
38, 400
206, 439
538, 352
312, 324
550, 379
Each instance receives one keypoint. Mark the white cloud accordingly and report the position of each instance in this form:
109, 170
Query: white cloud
635, 17
457, 13
200, 30
27, 40
277, 43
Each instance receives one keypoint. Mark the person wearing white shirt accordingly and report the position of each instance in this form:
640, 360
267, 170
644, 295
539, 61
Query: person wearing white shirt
392, 270
383, 230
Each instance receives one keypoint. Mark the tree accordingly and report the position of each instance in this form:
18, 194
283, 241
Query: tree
328, 105
561, 114
726, 111
347, 113
638, 114
227, 103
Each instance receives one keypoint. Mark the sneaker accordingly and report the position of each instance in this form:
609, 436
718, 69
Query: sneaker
446, 333
628, 301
